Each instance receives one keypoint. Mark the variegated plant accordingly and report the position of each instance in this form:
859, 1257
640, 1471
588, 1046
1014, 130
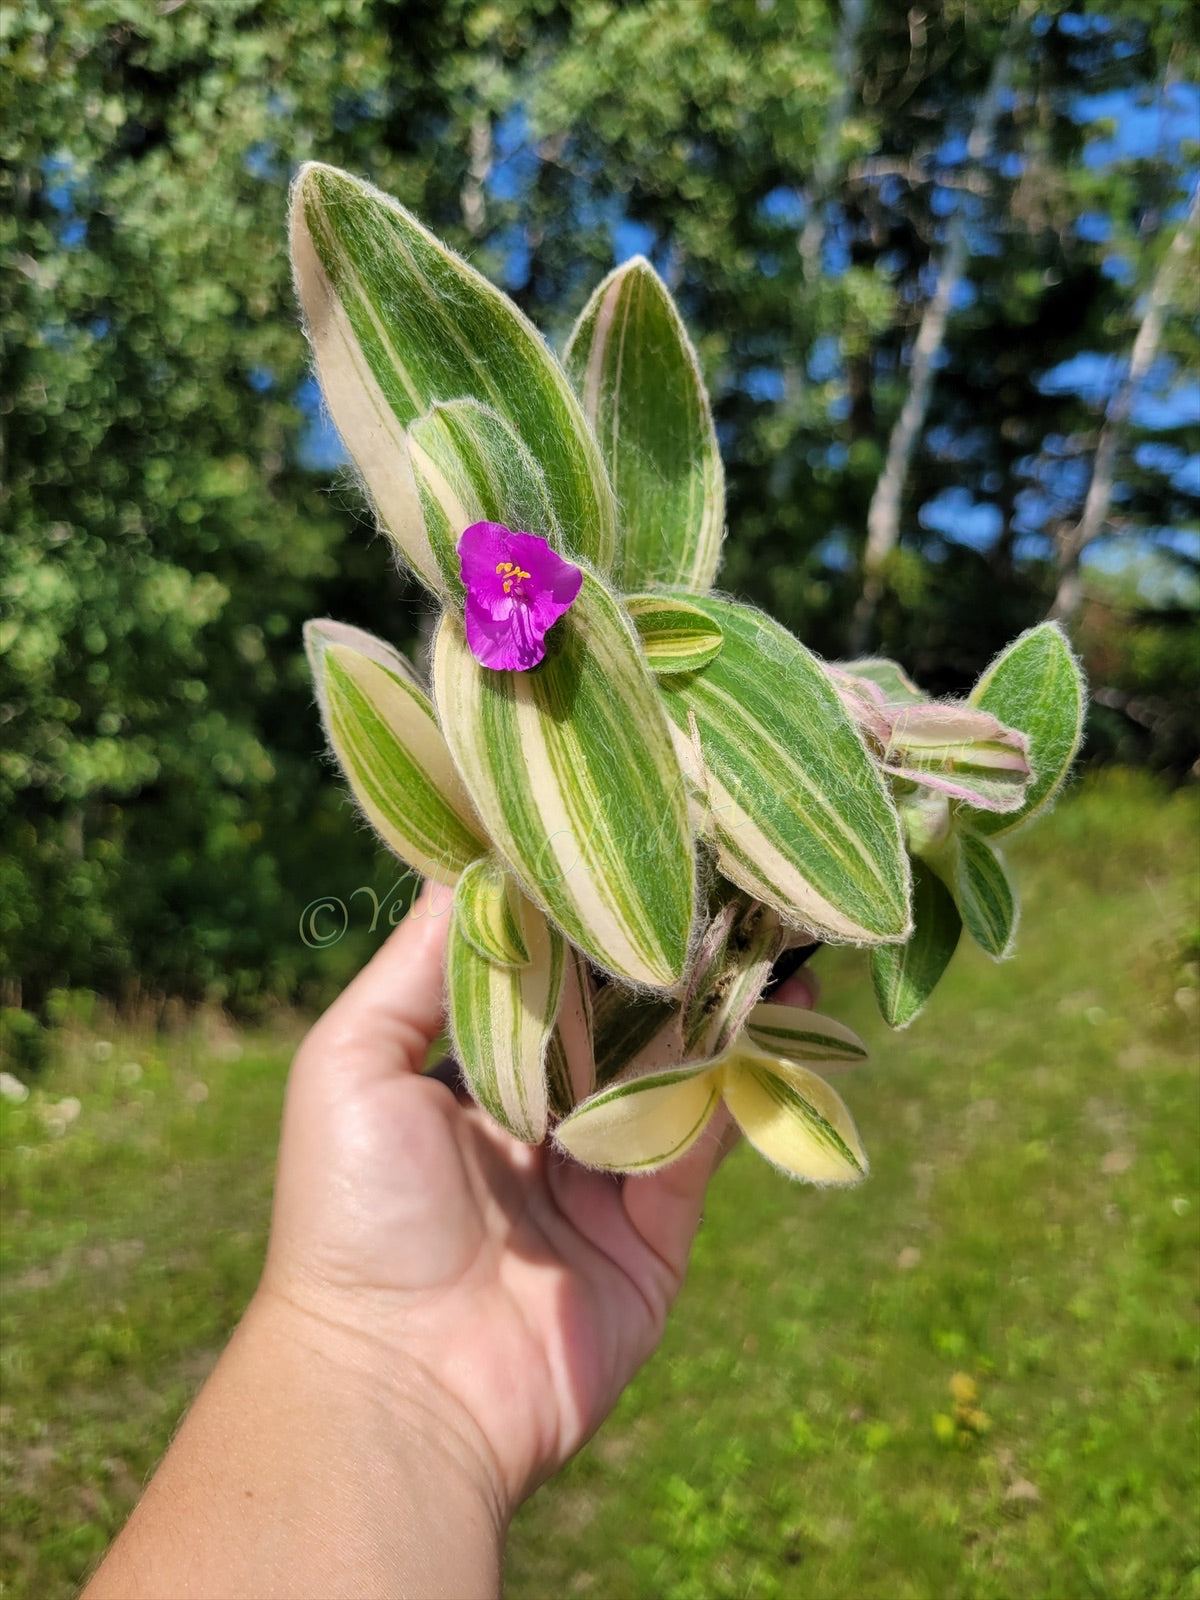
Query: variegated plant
650, 792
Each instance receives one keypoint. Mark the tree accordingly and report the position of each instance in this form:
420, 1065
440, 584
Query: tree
883, 514
165, 817
1073, 541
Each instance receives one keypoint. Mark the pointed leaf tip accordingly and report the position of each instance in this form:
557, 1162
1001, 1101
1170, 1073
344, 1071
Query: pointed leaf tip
905, 975
1036, 687
794, 1119
381, 726
398, 321
638, 379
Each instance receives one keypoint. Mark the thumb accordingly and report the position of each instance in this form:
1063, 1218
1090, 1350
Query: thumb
385, 1020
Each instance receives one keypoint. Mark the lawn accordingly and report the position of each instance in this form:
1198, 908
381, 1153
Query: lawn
975, 1376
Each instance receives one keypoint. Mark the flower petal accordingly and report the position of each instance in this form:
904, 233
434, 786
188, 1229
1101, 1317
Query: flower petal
546, 604
506, 642
481, 546
517, 588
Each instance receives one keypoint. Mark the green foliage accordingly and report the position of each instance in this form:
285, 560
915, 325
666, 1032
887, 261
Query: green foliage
162, 821
159, 804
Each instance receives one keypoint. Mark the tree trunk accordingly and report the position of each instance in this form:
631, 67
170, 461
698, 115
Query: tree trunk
473, 195
883, 517
1072, 541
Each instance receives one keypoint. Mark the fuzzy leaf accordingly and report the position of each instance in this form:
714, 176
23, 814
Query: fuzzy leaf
1035, 686
982, 892
470, 467
797, 808
571, 767
386, 738
636, 373
897, 687
793, 1118
675, 636
487, 912
642, 1123
501, 1018
801, 1035
964, 753
905, 975
354, 363
397, 322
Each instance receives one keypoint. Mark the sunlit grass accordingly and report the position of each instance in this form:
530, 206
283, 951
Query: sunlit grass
975, 1376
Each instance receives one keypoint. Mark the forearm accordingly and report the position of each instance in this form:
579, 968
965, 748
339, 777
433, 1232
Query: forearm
302, 1471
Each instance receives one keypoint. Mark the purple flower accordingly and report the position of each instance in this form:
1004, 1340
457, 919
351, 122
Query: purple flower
517, 588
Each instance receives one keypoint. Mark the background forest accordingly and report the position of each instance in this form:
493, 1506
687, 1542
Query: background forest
935, 257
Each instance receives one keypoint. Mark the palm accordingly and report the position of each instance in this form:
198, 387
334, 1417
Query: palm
539, 1301
528, 1288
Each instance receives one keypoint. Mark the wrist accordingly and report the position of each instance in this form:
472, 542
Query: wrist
418, 1433
305, 1469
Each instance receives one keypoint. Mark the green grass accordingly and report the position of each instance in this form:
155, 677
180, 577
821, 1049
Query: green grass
1029, 1229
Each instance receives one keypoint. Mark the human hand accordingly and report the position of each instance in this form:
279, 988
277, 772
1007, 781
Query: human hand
514, 1288
444, 1317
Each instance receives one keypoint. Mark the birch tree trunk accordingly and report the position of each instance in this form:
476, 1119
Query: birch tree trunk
473, 195
845, 63
883, 517
1072, 541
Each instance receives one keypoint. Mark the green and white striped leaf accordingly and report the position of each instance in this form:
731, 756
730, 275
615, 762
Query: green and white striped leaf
675, 636
382, 728
637, 376
640, 1124
804, 1036
398, 321
797, 809
470, 467
487, 912
897, 687
986, 900
1035, 686
572, 769
905, 975
793, 1118
352, 363
501, 1019
570, 1054
960, 751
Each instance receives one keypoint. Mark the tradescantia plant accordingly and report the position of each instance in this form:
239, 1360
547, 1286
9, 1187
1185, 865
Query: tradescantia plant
641, 793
